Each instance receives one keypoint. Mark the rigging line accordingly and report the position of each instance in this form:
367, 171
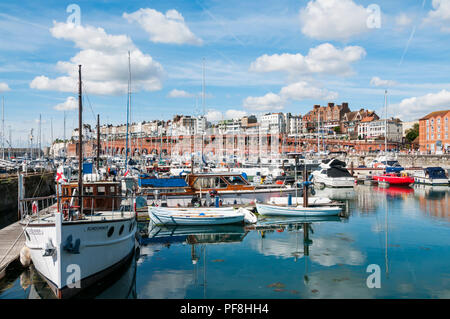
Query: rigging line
89, 101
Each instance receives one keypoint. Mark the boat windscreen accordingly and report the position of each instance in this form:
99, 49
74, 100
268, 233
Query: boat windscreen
336, 163
436, 172
338, 172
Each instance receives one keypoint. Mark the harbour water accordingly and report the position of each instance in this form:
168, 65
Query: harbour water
404, 232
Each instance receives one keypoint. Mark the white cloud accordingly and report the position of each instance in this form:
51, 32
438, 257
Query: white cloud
302, 90
376, 81
295, 91
168, 28
440, 15
416, 107
180, 94
104, 60
215, 115
403, 20
268, 102
234, 114
333, 19
70, 104
4, 87
324, 58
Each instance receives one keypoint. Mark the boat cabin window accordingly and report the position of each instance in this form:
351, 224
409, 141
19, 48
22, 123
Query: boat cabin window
112, 190
89, 190
235, 180
101, 190
209, 182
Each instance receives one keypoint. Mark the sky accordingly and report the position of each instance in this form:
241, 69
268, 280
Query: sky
256, 56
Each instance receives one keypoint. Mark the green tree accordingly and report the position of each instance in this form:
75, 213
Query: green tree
412, 133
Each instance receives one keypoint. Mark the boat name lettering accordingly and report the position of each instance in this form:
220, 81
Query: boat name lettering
32, 231
97, 228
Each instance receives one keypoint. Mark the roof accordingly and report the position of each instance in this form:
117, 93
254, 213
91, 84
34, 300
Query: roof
436, 113
368, 119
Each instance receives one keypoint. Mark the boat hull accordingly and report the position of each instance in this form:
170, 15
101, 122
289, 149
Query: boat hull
431, 181
273, 210
195, 217
97, 256
344, 182
395, 181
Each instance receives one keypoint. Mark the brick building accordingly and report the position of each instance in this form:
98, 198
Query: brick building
434, 132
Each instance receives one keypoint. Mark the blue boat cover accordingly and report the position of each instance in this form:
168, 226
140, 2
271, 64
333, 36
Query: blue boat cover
145, 181
435, 172
392, 169
87, 168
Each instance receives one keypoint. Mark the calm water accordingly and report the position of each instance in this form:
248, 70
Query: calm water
406, 232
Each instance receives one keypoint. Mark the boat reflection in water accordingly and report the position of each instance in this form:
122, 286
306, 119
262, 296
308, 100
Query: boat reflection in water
433, 200
394, 191
269, 225
208, 234
336, 193
119, 285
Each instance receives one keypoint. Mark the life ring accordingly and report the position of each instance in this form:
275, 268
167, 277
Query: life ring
212, 192
34, 207
65, 209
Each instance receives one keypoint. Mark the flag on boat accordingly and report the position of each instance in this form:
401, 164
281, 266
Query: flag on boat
126, 173
60, 177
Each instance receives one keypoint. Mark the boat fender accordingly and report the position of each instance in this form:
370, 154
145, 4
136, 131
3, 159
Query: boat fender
25, 256
249, 217
34, 207
307, 183
65, 210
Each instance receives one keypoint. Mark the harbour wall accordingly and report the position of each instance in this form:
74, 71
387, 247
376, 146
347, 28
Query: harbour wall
406, 160
40, 184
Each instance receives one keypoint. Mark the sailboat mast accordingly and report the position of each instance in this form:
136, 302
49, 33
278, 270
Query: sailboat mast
65, 152
3, 127
80, 148
98, 142
385, 121
318, 130
128, 109
40, 136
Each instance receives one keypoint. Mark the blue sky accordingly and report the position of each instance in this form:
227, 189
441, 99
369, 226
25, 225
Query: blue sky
260, 56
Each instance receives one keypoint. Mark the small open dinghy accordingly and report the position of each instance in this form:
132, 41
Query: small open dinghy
313, 201
279, 210
196, 216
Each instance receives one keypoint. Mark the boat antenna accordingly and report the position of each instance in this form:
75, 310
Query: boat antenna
80, 147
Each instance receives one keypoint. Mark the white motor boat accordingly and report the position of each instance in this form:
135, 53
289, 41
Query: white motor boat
431, 176
281, 210
73, 251
332, 173
195, 216
87, 234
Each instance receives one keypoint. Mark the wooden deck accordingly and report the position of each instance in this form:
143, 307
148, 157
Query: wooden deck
8, 237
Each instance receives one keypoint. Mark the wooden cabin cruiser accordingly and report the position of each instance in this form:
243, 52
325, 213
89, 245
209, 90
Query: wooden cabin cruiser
73, 249
431, 176
231, 188
332, 173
